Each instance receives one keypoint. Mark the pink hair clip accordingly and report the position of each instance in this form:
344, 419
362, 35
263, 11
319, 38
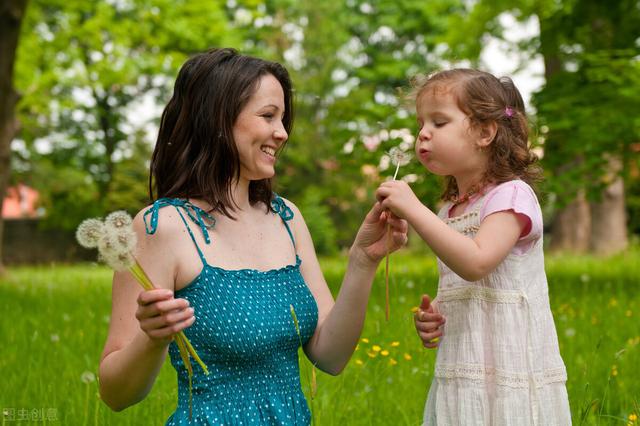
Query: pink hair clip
508, 111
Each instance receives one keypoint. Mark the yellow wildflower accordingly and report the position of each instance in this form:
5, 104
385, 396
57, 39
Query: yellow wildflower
395, 344
633, 417
376, 348
359, 362
384, 352
407, 357
392, 361
414, 309
364, 340
372, 354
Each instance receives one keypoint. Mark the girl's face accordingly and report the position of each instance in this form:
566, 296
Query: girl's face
259, 132
446, 144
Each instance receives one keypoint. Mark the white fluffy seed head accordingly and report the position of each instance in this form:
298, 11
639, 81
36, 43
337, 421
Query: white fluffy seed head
90, 232
399, 157
119, 219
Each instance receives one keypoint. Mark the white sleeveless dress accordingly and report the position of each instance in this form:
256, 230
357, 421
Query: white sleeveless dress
498, 362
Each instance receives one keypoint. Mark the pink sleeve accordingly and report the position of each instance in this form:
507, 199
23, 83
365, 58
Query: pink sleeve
517, 196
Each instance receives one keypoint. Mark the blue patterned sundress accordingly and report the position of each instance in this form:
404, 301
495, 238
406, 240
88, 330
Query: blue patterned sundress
245, 334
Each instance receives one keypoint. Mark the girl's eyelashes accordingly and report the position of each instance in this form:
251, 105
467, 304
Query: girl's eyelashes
439, 124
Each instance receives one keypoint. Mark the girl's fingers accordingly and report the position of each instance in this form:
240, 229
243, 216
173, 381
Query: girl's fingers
427, 327
429, 316
428, 337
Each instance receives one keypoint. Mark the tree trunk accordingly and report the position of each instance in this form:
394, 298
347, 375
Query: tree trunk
571, 230
571, 227
608, 216
11, 14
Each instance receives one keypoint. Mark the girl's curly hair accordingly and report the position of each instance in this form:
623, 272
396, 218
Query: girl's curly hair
485, 99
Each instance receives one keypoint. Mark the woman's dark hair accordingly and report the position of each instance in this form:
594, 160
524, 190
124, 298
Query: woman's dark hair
485, 99
195, 155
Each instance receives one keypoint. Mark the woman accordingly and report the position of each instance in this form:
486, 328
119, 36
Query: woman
223, 248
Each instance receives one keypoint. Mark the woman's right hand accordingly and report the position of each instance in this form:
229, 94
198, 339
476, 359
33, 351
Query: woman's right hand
161, 316
428, 322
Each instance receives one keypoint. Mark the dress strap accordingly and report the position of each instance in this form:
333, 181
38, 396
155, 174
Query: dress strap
286, 214
197, 215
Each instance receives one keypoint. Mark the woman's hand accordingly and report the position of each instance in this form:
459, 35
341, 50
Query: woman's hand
372, 239
161, 316
428, 322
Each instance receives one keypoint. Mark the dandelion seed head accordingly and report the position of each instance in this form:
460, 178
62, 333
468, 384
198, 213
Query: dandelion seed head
399, 157
119, 219
89, 232
108, 245
118, 261
127, 239
87, 377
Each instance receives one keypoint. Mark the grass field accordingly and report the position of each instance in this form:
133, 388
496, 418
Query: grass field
53, 323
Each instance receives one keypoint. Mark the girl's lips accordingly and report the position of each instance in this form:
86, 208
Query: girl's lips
423, 153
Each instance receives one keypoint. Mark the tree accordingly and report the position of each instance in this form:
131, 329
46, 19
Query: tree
84, 68
11, 16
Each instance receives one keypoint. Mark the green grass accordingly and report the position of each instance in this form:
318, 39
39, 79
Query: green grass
54, 320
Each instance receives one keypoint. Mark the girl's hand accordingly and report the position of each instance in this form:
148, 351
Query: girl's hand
397, 196
428, 322
371, 240
161, 316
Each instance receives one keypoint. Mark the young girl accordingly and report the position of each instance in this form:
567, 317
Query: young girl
498, 361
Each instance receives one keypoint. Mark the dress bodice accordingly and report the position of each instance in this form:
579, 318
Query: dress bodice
246, 335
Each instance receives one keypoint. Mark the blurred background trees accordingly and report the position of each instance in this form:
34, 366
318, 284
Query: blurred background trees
93, 77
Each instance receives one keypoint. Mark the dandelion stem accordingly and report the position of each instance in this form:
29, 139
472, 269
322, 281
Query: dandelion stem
386, 272
395, 175
386, 263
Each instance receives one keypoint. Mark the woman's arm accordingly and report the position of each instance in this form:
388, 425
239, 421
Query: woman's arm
340, 322
142, 323
470, 258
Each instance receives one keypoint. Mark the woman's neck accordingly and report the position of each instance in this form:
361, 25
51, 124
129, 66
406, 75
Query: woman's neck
240, 193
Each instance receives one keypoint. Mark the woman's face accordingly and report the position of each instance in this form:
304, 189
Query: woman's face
259, 132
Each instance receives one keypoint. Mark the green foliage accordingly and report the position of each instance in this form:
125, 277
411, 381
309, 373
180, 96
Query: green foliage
56, 320
318, 220
84, 67
591, 113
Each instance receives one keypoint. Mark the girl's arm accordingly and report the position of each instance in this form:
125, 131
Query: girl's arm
340, 322
142, 324
472, 259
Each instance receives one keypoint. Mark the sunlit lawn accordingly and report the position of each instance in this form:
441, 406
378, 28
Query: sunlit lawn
53, 322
